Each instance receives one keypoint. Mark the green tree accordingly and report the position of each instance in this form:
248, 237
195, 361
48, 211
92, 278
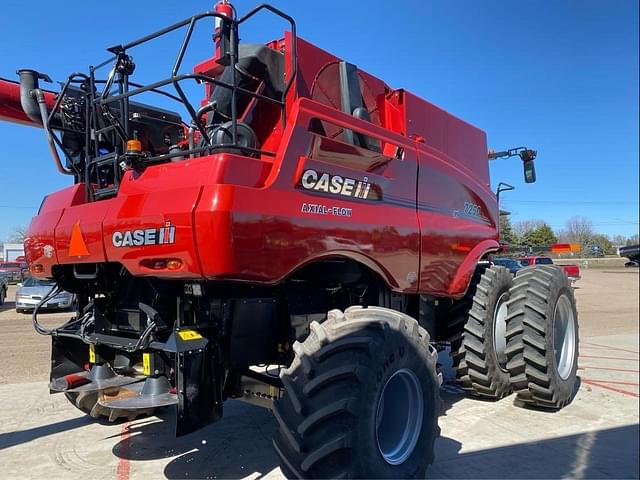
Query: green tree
506, 232
540, 236
603, 244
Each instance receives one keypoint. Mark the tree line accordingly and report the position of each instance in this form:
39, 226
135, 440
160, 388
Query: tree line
538, 233
534, 233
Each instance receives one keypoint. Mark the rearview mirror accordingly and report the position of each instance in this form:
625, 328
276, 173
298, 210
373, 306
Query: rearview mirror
529, 171
19, 285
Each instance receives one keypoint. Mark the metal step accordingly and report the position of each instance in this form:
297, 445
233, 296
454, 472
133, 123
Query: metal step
153, 393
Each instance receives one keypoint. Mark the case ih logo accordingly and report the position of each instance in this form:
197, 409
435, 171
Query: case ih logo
324, 182
147, 236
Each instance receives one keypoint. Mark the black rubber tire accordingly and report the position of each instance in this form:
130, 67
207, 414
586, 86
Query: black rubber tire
530, 338
83, 402
3, 295
455, 317
327, 418
479, 371
86, 402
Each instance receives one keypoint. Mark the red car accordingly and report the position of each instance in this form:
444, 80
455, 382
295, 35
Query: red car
572, 271
12, 270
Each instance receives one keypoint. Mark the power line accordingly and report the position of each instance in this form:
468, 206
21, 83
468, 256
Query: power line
18, 206
572, 202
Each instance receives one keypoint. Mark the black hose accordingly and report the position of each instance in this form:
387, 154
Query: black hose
53, 331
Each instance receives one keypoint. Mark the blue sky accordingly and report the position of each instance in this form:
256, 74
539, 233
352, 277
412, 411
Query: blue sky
557, 75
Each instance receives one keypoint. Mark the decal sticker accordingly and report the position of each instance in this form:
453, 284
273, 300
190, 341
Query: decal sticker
471, 210
319, 209
145, 236
48, 251
146, 363
335, 184
189, 335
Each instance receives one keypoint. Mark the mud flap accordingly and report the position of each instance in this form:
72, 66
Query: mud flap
68, 355
198, 382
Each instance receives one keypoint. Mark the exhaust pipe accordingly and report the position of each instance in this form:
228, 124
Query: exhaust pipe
34, 104
28, 83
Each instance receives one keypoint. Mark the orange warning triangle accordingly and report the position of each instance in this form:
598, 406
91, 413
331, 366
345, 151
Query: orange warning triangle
77, 247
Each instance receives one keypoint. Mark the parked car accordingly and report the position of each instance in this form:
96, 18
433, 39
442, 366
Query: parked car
4, 286
510, 263
32, 291
572, 271
12, 270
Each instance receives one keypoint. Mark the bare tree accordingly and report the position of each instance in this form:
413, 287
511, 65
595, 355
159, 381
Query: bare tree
619, 240
633, 239
579, 230
520, 229
17, 235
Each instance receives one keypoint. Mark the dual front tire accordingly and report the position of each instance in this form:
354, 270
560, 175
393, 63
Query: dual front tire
520, 336
542, 338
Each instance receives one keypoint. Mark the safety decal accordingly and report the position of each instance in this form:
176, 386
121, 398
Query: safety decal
189, 335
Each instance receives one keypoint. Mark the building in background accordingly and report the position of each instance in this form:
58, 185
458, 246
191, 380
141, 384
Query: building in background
12, 252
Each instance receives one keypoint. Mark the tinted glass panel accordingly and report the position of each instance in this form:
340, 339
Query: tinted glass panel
544, 261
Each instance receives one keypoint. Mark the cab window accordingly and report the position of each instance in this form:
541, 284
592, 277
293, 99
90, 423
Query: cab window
544, 261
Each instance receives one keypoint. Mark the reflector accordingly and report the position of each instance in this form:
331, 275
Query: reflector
77, 247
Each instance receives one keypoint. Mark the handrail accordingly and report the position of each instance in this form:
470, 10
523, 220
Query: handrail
98, 102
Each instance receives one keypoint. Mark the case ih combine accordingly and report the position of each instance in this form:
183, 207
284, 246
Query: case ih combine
206, 251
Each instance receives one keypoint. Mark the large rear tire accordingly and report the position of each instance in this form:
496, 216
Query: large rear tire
542, 337
482, 361
362, 399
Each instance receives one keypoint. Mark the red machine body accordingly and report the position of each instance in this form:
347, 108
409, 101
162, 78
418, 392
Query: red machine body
303, 217
428, 217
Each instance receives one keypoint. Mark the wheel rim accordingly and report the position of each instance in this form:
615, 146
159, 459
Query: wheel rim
564, 336
399, 417
500, 330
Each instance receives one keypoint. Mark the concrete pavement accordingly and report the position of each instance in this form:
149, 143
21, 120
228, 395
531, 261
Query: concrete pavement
43, 436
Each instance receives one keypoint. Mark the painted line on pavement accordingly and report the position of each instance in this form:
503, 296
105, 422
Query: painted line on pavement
123, 470
608, 387
609, 348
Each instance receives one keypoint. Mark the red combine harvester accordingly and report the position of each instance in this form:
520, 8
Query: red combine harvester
206, 252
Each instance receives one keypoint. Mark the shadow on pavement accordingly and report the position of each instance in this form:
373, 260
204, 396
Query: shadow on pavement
7, 305
10, 439
609, 453
238, 446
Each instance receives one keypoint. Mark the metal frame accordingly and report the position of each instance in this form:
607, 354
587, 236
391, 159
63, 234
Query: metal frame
97, 104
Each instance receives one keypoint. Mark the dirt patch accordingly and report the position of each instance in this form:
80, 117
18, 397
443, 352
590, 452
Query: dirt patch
608, 301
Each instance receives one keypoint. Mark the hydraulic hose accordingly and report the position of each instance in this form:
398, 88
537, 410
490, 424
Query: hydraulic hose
44, 114
53, 331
